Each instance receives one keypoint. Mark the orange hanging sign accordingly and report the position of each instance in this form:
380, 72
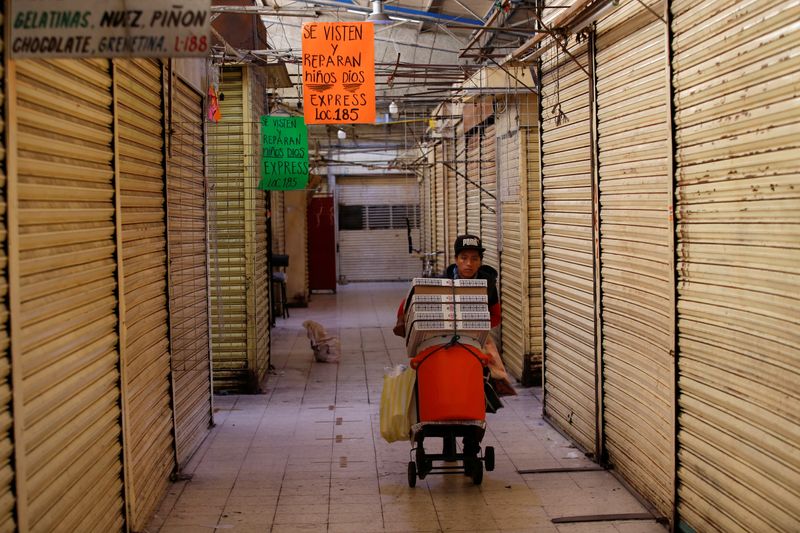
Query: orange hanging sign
339, 72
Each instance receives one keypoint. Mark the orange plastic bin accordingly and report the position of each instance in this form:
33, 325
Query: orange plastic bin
450, 383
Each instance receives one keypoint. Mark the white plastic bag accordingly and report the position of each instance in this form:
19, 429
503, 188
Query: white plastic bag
397, 406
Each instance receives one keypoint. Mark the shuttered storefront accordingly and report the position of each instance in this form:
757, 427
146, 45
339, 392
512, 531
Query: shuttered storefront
512, 265
735, 80
451, 195
148, 405
635, 255
529, 141
377, 252
440, 214
238, 241
461, 185
66, 334
7, 498
278, 223
488, 197
259, 277
569, 312
426, 204
188, 271
473, 182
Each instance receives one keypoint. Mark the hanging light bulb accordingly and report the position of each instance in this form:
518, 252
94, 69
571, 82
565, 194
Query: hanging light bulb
393, 109
341, 134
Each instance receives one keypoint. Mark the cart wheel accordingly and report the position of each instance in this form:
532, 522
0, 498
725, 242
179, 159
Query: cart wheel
488, 458
412, 474
476, 471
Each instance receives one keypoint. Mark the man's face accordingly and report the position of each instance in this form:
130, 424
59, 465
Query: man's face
468, 262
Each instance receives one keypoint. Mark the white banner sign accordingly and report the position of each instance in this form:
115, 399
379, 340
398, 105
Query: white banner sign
109, 28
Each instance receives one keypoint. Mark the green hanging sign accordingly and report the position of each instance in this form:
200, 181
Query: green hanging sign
284, 153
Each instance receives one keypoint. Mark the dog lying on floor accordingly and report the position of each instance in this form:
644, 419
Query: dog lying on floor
327, 348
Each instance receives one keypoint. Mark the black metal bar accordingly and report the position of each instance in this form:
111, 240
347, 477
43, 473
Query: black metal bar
603, 518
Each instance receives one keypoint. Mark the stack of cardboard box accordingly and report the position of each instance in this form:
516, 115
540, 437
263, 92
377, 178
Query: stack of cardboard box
437, 309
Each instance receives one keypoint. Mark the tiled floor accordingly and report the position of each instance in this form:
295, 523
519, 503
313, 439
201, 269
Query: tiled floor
307, 454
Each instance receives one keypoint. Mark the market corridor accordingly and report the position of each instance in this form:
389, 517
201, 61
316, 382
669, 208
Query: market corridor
307, 454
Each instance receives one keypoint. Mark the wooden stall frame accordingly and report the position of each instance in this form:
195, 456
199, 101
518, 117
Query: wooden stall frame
128, 495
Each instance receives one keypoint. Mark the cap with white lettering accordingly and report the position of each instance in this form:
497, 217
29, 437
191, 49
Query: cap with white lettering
468, 242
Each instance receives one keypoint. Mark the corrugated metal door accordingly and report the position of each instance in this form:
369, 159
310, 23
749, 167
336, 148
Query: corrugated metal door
451, 195
386, 248
529, 143
426, 204
635, 254
69, 369
514, 286
735, 77
569, 312
473, 191
149, 431
188, 271
278, 223
488, 197
226, 141
7, 498
440, 220
258, 275
461, 187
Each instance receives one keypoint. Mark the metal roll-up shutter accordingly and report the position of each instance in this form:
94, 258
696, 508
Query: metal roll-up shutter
451, 198
426, 208
488, 197
68, 321
735, 81
278, 223
461, 188
226, 140
473, 190
188, 271
440, 222
529, 142
7, 498
513, 287
635, 250
149, 431
569, 313
386, 202
258, 275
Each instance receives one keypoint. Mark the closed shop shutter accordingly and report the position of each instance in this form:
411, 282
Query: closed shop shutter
488, 197
451, 194
258, 276
226, 141
278, 223
529, 141
7, 498
387, 249
68, 312
513, 286
440, 222
426, 204
188, 271
461, 186
473, 191
568, 254
735, 77
635, 253
149, 434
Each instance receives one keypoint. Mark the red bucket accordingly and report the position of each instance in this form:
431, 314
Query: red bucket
450, 383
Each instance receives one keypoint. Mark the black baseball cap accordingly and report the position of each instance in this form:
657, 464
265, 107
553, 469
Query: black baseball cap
468, 242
